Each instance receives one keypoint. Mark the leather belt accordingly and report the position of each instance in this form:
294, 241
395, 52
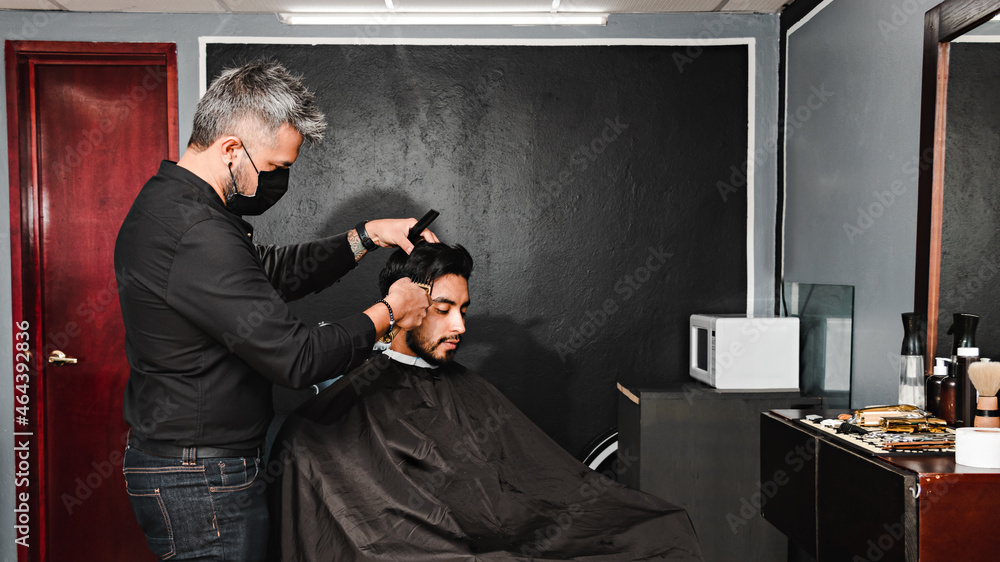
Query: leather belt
161, 449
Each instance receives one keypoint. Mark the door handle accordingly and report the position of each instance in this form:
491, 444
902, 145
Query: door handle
59, 359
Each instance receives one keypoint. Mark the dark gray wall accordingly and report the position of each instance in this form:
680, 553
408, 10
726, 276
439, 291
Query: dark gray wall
581, 179
188, 30
970, 260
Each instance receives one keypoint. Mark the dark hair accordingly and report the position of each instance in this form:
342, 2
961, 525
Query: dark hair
427, 262
255, 100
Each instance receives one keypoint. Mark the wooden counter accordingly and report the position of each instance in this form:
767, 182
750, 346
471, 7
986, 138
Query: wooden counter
838, 502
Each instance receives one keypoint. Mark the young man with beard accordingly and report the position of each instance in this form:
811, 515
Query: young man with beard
413, 457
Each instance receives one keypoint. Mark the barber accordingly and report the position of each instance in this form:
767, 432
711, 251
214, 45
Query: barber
207, 330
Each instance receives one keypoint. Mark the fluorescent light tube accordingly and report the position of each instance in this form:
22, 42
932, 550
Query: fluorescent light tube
412, 18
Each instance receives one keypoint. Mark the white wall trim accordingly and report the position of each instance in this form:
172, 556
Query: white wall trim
977, 39
751, 171
805, 19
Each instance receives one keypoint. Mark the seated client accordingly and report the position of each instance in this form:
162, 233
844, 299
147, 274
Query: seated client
413, 457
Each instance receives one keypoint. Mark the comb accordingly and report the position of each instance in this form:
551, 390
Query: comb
414, 234
426, 285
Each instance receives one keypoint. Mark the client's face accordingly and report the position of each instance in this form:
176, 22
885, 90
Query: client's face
438, 337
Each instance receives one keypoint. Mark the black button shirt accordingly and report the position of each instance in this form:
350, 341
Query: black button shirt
207, 330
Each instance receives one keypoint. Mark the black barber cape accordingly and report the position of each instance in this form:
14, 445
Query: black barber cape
397, 462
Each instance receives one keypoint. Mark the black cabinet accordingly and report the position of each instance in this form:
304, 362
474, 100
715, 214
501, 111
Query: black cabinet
699, 447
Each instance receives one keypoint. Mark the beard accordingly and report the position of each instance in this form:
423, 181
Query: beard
425, 348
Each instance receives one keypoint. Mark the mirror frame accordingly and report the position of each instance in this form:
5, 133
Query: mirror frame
942, 23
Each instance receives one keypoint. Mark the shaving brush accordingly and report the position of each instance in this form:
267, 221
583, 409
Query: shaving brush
986, 378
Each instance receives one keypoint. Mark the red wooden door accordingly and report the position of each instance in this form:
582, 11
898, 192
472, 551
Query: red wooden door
89, 124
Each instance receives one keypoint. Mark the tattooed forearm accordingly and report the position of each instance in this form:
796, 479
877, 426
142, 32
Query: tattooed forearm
355, 241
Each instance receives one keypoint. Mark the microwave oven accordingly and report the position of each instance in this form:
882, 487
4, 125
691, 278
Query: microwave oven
733, 351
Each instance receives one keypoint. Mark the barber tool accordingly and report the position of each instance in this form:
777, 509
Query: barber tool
413, 236
846, 427
986, 378
422, 225
426, 285
872, 415
918, 442
913, 425
937, 444
900, 435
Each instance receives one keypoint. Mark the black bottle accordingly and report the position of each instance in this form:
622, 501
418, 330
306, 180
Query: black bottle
949, 397
934, 381
965, 397
963, 330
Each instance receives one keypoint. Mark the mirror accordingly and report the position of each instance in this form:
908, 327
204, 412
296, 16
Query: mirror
970, 263
942, 24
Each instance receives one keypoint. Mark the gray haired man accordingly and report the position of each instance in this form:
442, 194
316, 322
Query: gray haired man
206, 324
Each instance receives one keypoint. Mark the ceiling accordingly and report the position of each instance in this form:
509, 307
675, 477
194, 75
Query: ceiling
388, 6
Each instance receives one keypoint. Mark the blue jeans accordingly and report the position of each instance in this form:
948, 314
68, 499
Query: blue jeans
211, 509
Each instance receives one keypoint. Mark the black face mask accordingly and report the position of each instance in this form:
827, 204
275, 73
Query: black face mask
271, 186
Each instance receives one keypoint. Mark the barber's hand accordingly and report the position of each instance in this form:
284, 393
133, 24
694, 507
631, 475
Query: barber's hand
409, 303
392, 232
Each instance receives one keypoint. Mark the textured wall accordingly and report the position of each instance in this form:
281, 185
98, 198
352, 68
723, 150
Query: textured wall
582, 180
970, 262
